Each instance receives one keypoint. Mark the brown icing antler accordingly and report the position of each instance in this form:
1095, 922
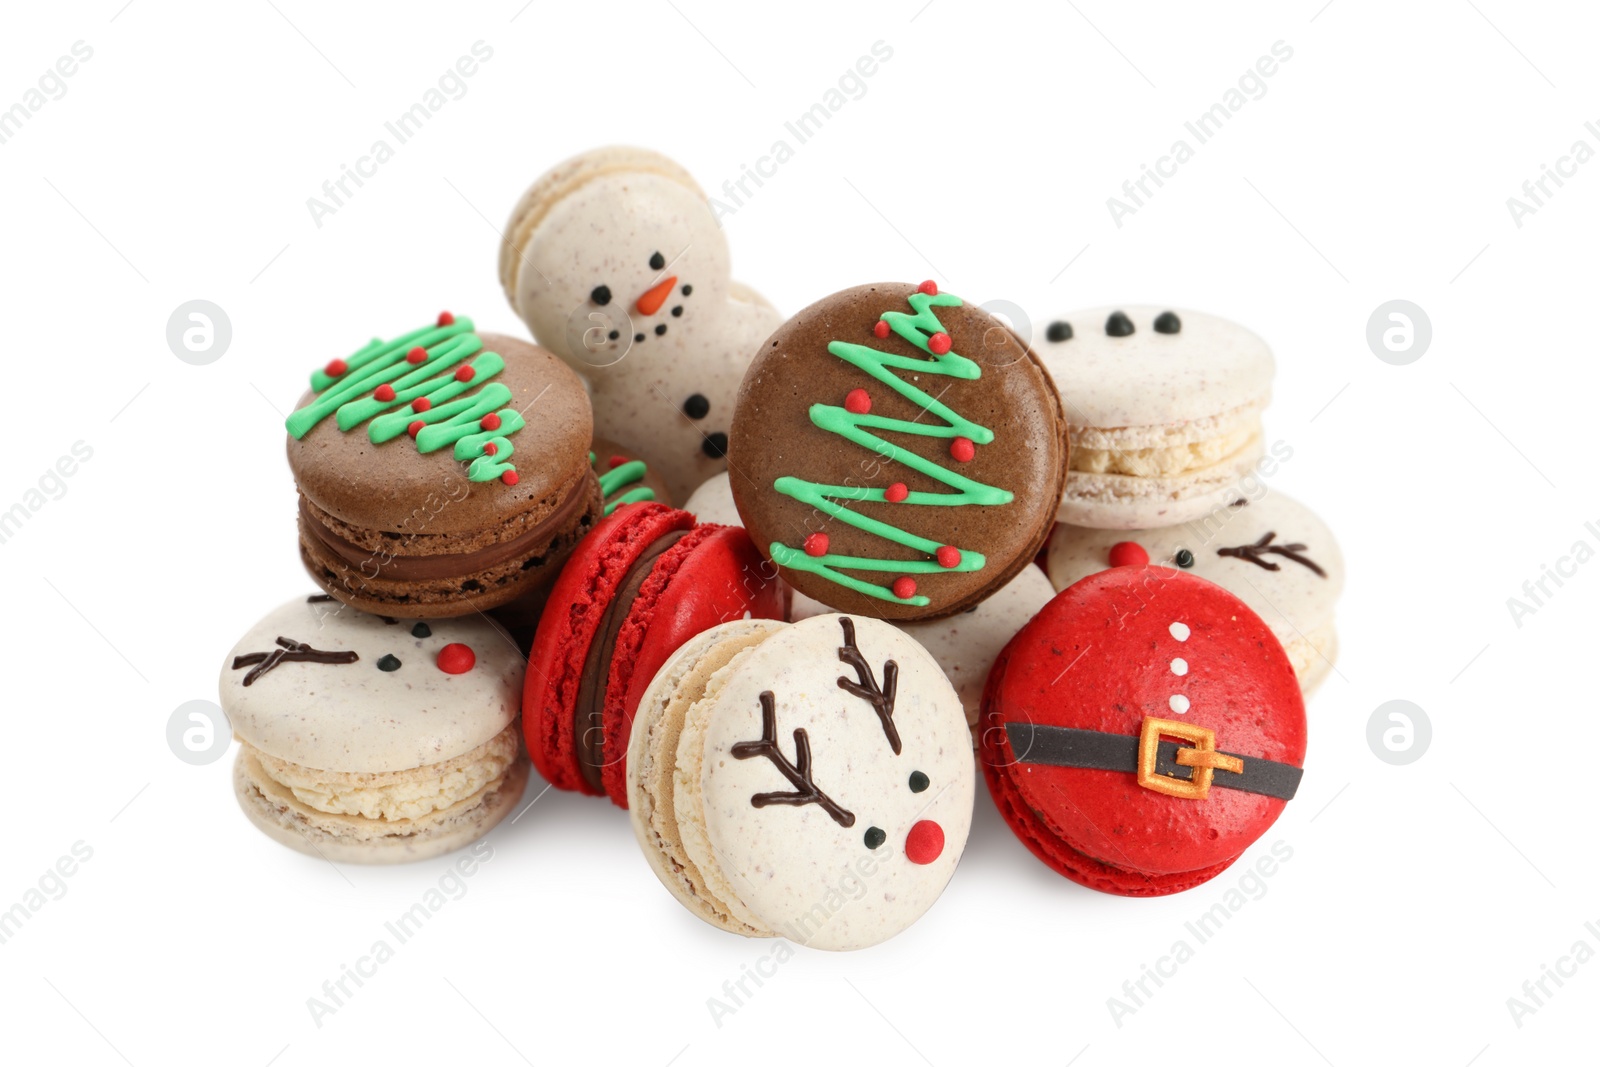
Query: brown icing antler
882, 700
798, 772
288, 652
1254, 553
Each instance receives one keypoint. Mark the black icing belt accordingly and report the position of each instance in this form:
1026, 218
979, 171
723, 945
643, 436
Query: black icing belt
1060, 746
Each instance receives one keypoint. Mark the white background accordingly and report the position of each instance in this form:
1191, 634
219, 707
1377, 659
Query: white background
1376, 166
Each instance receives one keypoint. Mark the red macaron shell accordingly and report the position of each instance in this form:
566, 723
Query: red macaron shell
574, 612
1101, 657
714, 574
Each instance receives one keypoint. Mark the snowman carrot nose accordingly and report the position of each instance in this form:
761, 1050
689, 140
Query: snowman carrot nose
653, 298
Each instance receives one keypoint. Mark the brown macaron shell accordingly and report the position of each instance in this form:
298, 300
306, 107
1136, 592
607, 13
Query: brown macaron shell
773, 436
391, 530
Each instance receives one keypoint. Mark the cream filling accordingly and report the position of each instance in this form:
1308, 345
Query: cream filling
1163, 451
395, 795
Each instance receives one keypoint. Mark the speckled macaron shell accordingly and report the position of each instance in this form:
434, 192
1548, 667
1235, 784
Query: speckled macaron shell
1165, 420
652, 761
620, 222
794, 868
351, 839
356, 717
1294, 594
713, 501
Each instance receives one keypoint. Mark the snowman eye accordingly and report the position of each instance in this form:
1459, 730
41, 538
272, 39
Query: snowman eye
874, 837
918, 782
657, 261
601, 294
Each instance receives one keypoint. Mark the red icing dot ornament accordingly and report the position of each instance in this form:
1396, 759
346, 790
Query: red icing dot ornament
384, 392
904, 587
335, 368
962, 450
456, 658
925, 842
509, 477
1129, 554
415, 428
948, 556
857, 402
490, 421
417, 355
929, 287
614, 462
896, 493
421, 404
446, 319
490, 448
465, 374
816, 544
880, 329
939, 343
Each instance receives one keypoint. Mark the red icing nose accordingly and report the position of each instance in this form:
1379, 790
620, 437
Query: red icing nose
1128, 554
925, 842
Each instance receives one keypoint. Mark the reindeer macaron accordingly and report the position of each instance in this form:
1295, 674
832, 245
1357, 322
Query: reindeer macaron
616, 263
811, 781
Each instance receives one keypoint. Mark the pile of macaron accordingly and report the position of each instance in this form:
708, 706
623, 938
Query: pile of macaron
911, 546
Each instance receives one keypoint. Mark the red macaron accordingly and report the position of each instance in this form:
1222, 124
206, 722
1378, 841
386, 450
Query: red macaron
644, 581
1142, 731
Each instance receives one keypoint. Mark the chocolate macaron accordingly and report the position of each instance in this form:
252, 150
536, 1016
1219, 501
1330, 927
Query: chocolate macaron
441, 472
897, 452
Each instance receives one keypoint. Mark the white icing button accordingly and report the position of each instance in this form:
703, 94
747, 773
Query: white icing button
1179, 630
1180, 667
1179, 703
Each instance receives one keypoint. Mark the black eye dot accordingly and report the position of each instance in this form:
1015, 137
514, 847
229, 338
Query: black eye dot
658, 261
874, 837
661, 328
1058, 332
422, 629
677, 311
638, 337
613, 335
1184, 558
1167, 322
697, 406
389, 663
715, 445
600, 294
919, 781
686, 290
1118, 325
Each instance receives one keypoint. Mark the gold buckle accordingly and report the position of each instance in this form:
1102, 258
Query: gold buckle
1203, 757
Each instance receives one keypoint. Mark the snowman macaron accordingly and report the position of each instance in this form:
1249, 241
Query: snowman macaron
812, 781
616, 263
